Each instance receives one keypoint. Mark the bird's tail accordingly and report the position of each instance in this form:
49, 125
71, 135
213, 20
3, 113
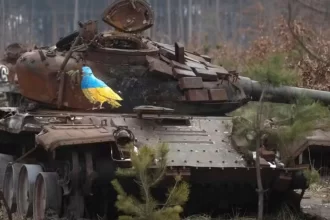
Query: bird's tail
113, 103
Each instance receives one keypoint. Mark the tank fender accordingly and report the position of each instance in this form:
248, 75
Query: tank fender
55, 136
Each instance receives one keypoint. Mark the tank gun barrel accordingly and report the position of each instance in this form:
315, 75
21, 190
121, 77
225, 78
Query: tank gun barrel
283, 94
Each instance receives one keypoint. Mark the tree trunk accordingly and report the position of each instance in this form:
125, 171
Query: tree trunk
154, 28
258, 171
52, 6
54, 26
200, 27
66, 21
32, 22
169, 21
189, 21
181, 19
76, 15
85, 10
148, 32
3, 26
217, 15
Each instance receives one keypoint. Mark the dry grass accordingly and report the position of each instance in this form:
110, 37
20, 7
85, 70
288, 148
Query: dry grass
285, 214
314, 71
320, 190
277, 217
4, 216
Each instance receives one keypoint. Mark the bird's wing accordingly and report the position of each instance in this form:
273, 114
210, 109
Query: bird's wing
89, 96
91, 82
113, 103
108, 93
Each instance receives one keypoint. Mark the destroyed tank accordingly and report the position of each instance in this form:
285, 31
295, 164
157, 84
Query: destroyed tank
57, 155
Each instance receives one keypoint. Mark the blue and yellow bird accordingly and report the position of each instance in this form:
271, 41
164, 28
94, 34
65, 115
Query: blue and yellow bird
96, 90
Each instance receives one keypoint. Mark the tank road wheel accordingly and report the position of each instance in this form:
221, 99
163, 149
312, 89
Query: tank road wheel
47, 196
4, 161
10, 185
26, 179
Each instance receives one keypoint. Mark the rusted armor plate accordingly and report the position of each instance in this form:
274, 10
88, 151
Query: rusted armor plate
129, 16
62, 135
220, 71
203, 142
178, 65
207, 75
19, 123
165, 59
191, 83
169, 54
193, 64
207, 58
218, 95
197, 95
183, 73
159, 68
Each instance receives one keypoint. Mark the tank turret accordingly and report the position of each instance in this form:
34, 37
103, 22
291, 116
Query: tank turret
143, 71
149, 76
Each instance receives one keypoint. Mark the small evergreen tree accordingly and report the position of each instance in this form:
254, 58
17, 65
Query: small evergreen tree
148, 169
271, 72
290, 122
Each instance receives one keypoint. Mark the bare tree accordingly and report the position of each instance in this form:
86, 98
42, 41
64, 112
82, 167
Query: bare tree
3, 25
190, 21
181, 20
296, 36
148, 32
76, 14
169, 21
217, 15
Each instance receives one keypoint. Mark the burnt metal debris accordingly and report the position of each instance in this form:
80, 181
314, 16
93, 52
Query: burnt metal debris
52, 146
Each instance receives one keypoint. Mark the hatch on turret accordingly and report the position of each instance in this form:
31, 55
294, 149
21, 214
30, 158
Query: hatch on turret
129, 16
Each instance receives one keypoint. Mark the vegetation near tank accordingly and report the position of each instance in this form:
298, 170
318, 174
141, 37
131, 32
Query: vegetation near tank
283, 124
286, 125
272, 71
148, 208
303, 47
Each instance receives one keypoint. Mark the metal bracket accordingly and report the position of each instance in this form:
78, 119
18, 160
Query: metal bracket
149, 109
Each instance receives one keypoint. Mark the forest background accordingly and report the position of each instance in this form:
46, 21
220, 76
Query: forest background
232, 32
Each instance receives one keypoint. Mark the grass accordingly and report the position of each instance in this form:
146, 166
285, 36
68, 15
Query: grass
284, 214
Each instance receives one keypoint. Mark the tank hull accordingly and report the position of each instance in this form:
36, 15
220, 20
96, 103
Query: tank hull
75, 146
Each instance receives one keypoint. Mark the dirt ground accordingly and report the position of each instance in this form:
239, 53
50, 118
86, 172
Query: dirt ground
317, 200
